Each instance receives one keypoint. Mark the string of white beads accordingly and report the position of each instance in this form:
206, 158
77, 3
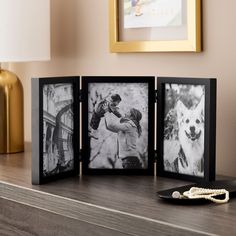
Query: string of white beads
209, 194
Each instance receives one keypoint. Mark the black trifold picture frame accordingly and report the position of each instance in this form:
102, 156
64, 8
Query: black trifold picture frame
120, 120
186, 128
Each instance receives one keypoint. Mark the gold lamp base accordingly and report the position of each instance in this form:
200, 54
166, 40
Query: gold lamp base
11, 113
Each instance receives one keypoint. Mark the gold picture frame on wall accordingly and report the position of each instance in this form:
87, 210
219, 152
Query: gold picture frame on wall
155, 25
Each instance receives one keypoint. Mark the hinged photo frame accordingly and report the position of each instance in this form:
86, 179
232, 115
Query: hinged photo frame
118, 128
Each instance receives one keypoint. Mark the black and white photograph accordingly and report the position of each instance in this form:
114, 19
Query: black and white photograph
184, 131
58, 124
55, 128
118, 125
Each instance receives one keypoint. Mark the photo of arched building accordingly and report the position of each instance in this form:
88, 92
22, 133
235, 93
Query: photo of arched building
58, 124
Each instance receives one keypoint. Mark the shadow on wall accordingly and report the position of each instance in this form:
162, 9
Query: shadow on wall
63, 28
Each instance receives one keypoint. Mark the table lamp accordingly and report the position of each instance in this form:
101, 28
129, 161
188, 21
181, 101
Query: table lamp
24, 36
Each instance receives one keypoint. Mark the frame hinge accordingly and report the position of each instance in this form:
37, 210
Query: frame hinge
155, 155
81, 95
155, 96
80, 155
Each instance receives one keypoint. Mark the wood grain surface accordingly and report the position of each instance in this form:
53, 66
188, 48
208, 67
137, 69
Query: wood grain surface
19, 219
126, 204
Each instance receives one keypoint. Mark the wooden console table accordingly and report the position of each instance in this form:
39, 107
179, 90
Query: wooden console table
101, 205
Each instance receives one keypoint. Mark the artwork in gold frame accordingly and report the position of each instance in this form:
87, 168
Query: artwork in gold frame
155, 25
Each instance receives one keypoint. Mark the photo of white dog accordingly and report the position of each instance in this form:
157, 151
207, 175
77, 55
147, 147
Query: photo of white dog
191, 138
184, 151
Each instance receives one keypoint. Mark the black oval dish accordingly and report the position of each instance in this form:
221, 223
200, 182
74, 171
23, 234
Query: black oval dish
229, 185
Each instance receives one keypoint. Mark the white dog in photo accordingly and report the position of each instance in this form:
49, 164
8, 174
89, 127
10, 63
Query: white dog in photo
191, 138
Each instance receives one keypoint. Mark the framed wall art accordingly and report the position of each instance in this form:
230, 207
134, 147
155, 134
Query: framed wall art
118, 125
155, 25
55, 128
186, 128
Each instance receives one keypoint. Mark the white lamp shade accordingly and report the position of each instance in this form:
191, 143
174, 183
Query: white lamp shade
24, 30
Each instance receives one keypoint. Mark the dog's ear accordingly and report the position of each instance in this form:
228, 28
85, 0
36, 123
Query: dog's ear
201, 107
181, 109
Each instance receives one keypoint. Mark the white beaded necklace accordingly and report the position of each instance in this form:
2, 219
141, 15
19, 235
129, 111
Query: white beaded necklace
203, 193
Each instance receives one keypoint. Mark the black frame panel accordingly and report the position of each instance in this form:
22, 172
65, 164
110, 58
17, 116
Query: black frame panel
37, 128
86, 80
209, 127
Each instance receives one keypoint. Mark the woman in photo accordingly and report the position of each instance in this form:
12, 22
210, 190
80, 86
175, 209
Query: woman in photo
128, 130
